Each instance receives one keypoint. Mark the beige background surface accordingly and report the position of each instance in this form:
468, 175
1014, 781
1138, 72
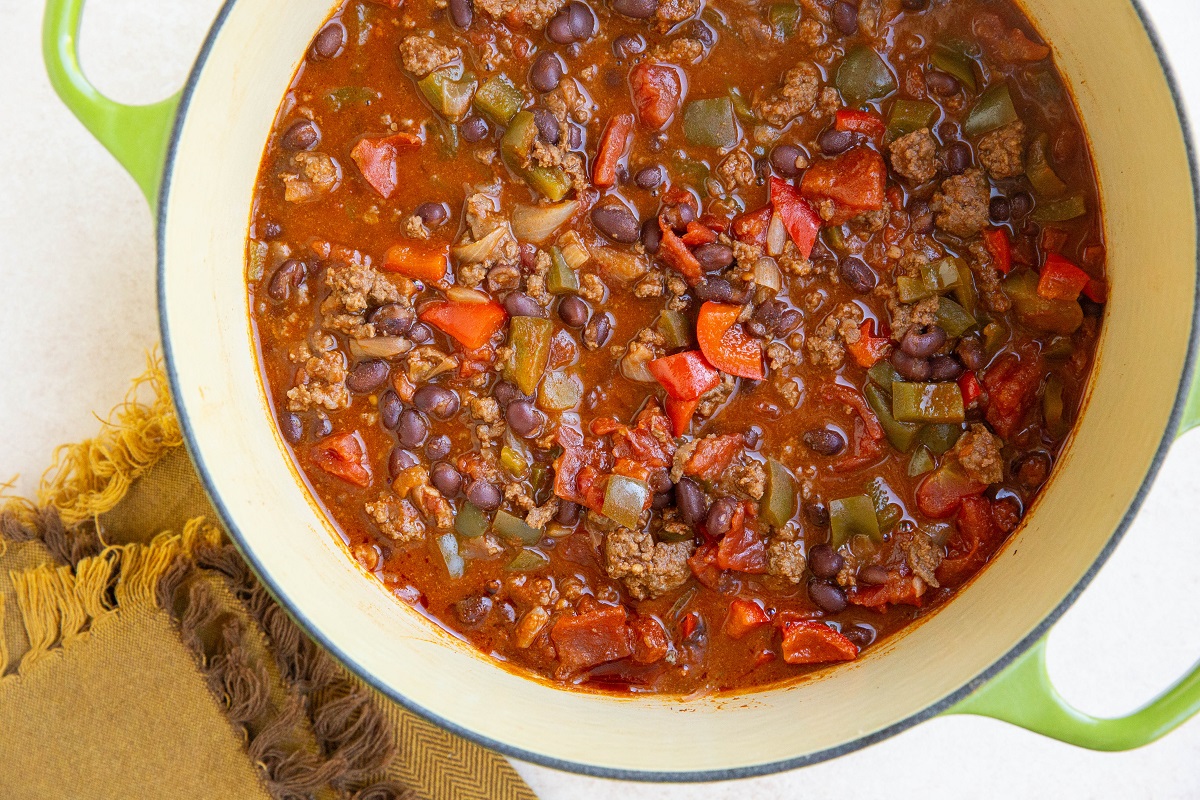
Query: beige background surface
77, 312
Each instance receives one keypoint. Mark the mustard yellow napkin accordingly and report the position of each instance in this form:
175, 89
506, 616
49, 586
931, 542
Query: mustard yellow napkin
140, 658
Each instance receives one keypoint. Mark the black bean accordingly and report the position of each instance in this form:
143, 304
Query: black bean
845, 17
582, 19
330, 40
523, 418
546, 73
958, 158
547, 126
438, 447
970, 350
944, 368
290, 275
617, 223
663, 499
788, 322
832, 141
914, 369
528, 255
519, 304
573, 311
559, 28
367, 376
412, 428
720, 516
922, 344
392, 319
678, 216
857, 275
999, 209
390, 409
941, 83
873, 575
829, 598
824, 441
420, 333
914, 5
637, 9
485, 495
1032, 469
702, 32
474, 128
649, 178
824, 561
597, 331
1021, 204
574, 137
627, 46
270, 230
473, 610
784, 158
713, 256
752, 436
292, 427
816, 514
691, 501
446, 478
323, 426
568, 513
462, 13
433, 214
651, 235
303, 134
506, 393
399, 460
766, 318
861, 635
659, 480
921, 215
436, 401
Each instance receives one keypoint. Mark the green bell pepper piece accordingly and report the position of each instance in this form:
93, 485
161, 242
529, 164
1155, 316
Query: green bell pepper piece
449, 91
561, 279
921, 462
512, 527
882, 375
1064, 208
927, 402
953, 61
551, 182
513, 462
853, 516
711, 123
448, 546
1054, 407
527, 560
1054, 316
907, 116
516, 147
779, 500
863, 76
674, 328
624, 500
910, 289
498, 99
784, 18
834, 238
471, 522
938, 438
965, 291
900, 435
346, 95
953, 318
993, 110
1042, 177
1058, 348
530, 339
741, 106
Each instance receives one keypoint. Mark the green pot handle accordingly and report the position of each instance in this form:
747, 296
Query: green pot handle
1023, 695
136, 135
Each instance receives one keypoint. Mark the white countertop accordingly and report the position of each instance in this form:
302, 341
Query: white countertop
77, 310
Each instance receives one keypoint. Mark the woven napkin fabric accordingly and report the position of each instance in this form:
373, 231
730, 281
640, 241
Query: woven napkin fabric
140, 658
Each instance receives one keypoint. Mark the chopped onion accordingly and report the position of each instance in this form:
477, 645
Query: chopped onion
537, 223
573, 251
776, 236
461, 294
380, 347
475, 252
766, 273
633, 365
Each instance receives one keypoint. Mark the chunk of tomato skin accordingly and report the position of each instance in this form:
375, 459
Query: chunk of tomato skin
723, 342
751, 227
864, 122
680, 412
344, 456
657, 91
590, 639
856, 179
815, 643
743, 617
995, 241
703, 564
1060, 279
802, 222
903, 590
942, 491
686, 375
743, 549
428, 265
471, 324
614, 142
675, 254
376, 160
649, 639
1011, 384
698, 234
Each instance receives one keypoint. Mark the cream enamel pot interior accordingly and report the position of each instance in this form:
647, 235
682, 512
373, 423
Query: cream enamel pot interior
1139, 401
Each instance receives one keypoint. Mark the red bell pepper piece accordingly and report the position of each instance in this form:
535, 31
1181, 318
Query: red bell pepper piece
650, 642
725, 344
417, 262
815, 643
998, 246
864, 122
376, 160
613, 144
801, 221
686, 375
343, 455
680, 412
657, 91
856, 179
472, 324
869, 348
743, 617
1060, 279
751, 227
1096, 290
968, 384
675, 254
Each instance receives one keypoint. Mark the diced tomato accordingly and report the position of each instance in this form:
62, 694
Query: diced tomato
614, 141
866, 446
998, 246
472, 324
743, 549
1011, 384
968, 384
680, 412
675, 254
1005, 42
856, 179
581, 470
975, 536
1096, 290
815, 643
657, 91
864, 122
692, 622
344, 456
725, 344
703, 563
586, 640
751, 227
686, 375
869, 348
801, 221
713, 455
650, 642
1060, 279
698, 234
376, 160
744, 616
898, 589
941, 493
1052, 239
420, 262
647, 442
